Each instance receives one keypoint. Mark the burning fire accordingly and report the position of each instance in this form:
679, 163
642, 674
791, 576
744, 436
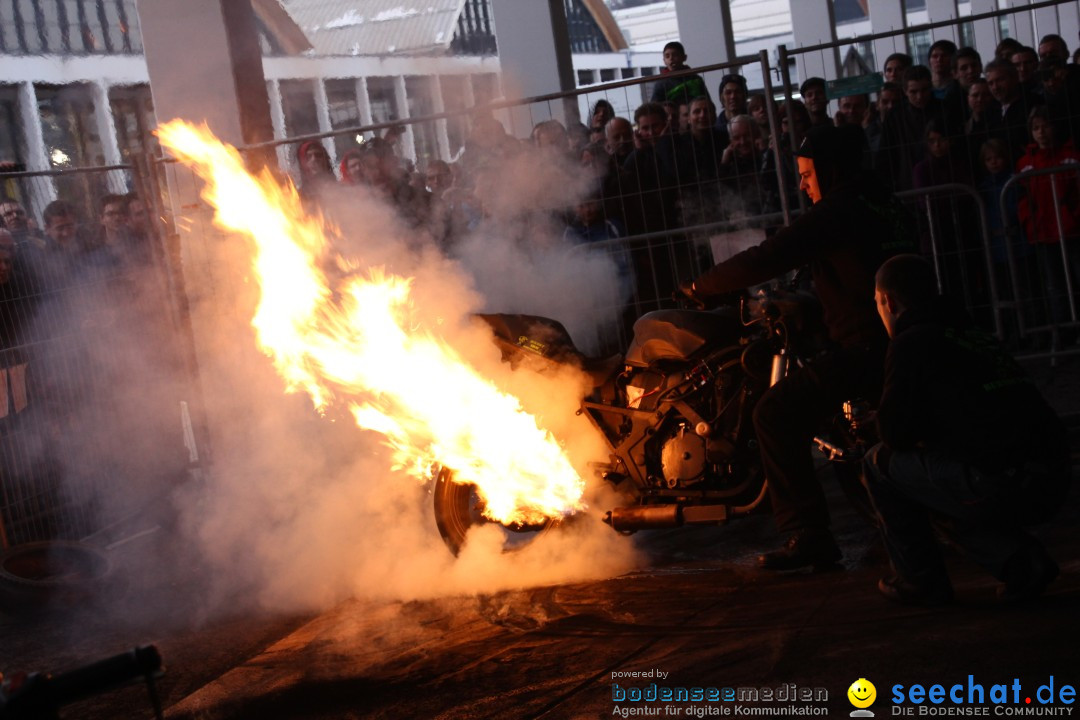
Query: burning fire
355, 345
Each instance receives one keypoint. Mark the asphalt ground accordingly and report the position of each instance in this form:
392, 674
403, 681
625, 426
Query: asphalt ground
701, 614
698, 615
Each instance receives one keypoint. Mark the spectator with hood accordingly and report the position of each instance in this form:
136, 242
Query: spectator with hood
854, 225
350, 166
316, 174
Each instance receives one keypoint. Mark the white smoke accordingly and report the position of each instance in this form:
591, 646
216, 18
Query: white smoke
301, 511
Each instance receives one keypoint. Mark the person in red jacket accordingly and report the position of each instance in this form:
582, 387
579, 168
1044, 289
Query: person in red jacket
1053, 228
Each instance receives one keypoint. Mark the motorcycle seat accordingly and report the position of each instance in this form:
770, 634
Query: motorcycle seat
666, 335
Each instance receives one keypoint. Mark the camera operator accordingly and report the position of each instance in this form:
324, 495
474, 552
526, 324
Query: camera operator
966, 438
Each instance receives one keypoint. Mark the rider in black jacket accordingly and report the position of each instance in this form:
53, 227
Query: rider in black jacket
853, 226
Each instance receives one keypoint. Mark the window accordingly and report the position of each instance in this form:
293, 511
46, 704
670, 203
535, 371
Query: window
967, 34
10, 128
919, 46
72, 139
485, 88
382, 99
848, 11
418, 92
455, 99
343, 111
586, 77
11, 146
133, 114
866, 51
627, 73
69, 126
607, 74
298, 105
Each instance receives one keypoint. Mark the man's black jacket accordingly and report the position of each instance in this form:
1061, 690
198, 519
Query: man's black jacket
844, 238
951, 388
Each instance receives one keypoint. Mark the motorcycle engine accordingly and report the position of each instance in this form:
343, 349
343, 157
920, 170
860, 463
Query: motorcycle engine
683, 458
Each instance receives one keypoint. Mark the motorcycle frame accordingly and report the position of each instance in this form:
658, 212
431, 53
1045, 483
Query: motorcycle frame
628, 455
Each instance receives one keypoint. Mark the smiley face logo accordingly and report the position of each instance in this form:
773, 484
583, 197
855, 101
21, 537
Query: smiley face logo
862, 693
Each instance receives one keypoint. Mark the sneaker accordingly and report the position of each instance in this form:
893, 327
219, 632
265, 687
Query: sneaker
1040, 574
901, 591
817, 550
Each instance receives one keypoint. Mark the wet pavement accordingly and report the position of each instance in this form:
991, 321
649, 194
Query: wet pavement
699, 615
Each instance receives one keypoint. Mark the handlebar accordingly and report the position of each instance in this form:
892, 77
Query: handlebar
41, 696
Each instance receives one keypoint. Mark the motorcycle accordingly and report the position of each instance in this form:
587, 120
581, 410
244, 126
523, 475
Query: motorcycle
676, 412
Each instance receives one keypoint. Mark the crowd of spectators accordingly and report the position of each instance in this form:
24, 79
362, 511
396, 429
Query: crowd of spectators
682, 161
58, 269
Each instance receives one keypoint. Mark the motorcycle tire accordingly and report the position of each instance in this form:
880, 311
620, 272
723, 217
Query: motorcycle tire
56, 574
457, 510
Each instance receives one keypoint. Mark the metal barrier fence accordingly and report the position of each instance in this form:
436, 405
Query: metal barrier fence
1040, 228
92, 367
954, 234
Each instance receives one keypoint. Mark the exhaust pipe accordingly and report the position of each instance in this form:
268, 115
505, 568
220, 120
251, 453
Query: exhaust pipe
648, 517
629, 519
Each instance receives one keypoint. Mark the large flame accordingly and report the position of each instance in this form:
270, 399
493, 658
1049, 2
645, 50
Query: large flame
354, 345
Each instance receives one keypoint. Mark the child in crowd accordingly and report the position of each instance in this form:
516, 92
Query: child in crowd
1050, 211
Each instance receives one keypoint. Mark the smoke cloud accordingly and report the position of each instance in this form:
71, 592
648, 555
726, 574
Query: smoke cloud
300, 511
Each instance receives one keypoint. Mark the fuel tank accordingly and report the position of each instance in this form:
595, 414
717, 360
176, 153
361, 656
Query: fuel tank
674, 335
534, 335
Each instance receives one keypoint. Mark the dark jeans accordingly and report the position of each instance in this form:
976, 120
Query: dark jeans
788, 416
915, 490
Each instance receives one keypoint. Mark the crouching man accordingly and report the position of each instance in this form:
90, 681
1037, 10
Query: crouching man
968, 445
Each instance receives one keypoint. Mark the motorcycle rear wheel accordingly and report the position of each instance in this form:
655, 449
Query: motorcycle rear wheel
458, 509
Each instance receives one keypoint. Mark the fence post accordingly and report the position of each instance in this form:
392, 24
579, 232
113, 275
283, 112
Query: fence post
1064, 251
785, 76
148, 167
933, 244
774, 128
